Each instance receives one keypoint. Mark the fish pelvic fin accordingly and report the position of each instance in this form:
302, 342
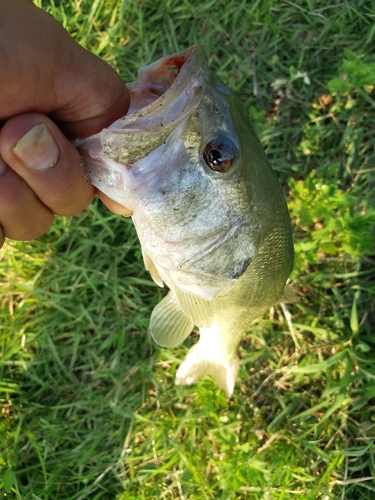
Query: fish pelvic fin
289, 295
196, 365
151, 268
169, 325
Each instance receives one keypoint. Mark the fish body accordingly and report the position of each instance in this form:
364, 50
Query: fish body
209, 213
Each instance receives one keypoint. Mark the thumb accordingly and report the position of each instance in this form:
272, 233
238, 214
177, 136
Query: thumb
47, 163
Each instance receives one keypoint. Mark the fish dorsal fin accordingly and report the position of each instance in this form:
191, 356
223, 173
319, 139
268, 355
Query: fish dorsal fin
169, 326
199, 310
151, 268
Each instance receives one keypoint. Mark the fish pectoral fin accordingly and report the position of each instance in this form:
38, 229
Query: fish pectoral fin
169, 326
196, 365
199, 310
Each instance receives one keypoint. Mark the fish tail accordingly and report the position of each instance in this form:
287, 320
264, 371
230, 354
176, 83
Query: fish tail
210, 356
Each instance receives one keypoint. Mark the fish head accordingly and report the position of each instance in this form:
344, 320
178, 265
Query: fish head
187, 162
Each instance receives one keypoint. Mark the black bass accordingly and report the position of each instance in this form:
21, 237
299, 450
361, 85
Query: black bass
209, 213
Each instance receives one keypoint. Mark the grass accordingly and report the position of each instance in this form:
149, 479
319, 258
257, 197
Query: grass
89, 406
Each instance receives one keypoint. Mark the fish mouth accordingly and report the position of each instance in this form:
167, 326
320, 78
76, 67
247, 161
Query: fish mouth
165, 77
165, 95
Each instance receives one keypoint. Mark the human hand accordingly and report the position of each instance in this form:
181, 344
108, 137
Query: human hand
45, 72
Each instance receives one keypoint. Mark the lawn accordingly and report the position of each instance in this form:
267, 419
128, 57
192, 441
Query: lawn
89, 405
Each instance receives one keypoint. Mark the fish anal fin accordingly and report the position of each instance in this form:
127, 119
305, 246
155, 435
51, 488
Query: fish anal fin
196, 365
199, 310
169, 326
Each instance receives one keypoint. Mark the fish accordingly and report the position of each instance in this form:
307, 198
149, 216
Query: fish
209, 212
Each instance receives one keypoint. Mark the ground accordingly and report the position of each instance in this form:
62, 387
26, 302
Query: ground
90, 409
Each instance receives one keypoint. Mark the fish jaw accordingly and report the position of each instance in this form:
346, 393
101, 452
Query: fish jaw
162, 99
212, 355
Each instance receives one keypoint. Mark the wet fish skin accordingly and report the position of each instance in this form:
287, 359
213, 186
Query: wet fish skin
220, 240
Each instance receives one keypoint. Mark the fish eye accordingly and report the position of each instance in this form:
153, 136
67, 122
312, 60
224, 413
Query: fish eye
220, 153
